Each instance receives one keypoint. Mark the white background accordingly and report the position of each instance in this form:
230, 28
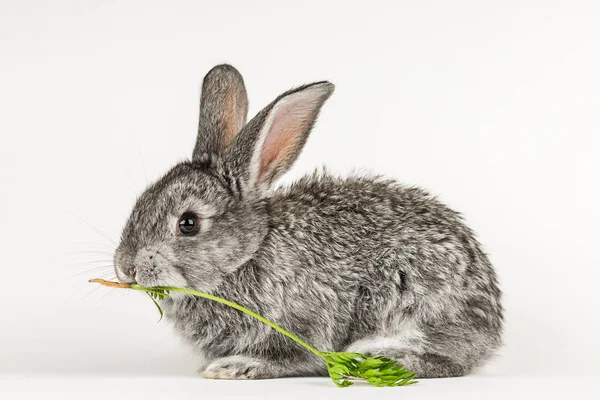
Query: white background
492, 105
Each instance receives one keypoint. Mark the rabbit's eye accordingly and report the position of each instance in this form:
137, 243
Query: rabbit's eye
188, 224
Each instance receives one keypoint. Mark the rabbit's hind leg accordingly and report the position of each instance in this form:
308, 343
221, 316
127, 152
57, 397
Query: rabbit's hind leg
423, 363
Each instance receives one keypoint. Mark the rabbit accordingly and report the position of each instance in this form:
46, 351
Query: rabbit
359, 264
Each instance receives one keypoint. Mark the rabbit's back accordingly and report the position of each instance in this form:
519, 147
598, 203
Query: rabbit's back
392, 259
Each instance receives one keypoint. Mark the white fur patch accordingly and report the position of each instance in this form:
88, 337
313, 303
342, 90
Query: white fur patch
409, 337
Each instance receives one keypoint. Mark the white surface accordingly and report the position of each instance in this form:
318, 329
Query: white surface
491, 105
299, 388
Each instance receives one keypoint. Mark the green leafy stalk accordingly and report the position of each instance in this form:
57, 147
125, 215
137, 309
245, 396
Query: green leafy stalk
342, 366
377, 370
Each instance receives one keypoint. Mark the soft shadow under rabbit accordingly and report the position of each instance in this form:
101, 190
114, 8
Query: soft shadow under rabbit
348, 264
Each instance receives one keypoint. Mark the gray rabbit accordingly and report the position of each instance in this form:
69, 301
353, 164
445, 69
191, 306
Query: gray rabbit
359, 264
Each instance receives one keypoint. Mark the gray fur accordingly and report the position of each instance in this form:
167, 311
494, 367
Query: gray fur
359, 263
223, 110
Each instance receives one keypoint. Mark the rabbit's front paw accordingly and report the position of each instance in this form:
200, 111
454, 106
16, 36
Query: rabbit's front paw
236, 367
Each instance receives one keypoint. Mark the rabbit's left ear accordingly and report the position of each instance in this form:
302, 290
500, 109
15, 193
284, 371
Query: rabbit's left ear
223, 110
270, 143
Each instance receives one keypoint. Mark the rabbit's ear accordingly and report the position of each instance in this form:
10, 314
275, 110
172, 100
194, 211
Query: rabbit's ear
270, 143
223, 110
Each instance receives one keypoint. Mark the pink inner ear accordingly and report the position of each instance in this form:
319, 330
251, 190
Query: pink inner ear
283, 137
228, 115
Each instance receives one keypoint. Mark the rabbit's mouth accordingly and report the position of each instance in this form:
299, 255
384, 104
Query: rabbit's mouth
153, 278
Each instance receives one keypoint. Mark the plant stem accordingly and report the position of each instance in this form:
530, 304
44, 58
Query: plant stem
237, 307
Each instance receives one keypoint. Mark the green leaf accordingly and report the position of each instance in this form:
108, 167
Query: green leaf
157, 306
376, 370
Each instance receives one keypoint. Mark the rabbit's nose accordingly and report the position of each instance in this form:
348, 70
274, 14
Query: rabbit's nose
124, 274
124, 268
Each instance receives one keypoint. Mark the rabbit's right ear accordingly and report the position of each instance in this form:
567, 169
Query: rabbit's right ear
223, 110
270, 143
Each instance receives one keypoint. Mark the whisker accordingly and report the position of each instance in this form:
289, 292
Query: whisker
129, 175
90, 292
105, 296
143, 166
93, 262
111, 295
110, 248
110, 276
98, 231
99, 274
102, 252
81, 265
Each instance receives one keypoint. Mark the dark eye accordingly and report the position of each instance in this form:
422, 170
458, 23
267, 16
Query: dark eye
188, 224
